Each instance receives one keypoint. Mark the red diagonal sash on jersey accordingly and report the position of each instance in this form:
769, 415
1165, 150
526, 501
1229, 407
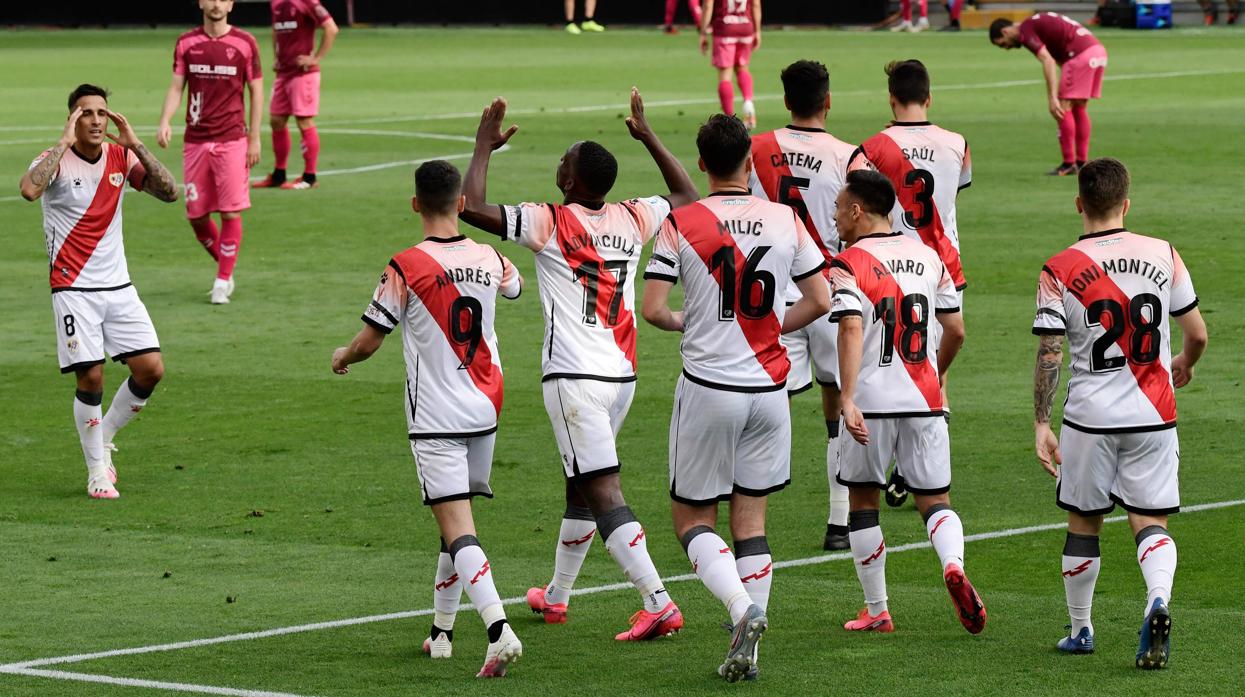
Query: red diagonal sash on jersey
699, 226
765, 152
421, 270
886, 155
82, 240
1152, 378
576, 246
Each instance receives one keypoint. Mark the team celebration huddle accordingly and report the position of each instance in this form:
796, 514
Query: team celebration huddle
806, 260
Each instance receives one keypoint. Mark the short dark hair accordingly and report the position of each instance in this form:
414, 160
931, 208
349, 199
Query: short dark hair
908, 81
596, 167
86, 90
724, 143
805, 84
438, 186
1103, 185
872, 191
996, 28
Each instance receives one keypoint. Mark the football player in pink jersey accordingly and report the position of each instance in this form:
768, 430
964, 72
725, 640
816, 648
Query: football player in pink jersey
1111, 293
296, 90
443, 293
587, 253
736, 29
730, 430
216, 63
693, 6
888, 290
81, 180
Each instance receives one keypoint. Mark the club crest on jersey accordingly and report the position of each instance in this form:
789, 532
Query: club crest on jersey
116, 178
230, 52
72, 345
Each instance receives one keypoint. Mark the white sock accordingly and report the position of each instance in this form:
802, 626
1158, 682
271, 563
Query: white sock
628, 547
125, 406
869, 558
447, 593
755, 567
715, 566
574, 540
1081, 562
88, 418
1156, 554
476, 577
946, 533
838, 493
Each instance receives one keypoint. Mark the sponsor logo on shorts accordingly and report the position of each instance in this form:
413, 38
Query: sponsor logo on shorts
116, 178
72, 345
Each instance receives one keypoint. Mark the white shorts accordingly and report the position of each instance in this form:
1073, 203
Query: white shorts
919, 445
586, 416
90, 324
723, 442
1136, 470
452, 469
815, 344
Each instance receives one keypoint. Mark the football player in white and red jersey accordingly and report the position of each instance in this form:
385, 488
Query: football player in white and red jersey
81, 181
888, 291
730, 432
1111, 293
587, 251
443, 293
216, 63
735, 26
803, 166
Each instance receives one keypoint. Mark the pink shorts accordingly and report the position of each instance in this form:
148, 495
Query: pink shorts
1081, 77
216, 176
731, 51
296, 94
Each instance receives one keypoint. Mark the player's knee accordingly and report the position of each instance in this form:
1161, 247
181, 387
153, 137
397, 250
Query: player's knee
928, 505
150, 373
692, 533
863, 497
91, 380
305, 122
613, 519
230, 215
278, 122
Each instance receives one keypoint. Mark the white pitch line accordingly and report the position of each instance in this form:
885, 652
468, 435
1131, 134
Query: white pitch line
153, 684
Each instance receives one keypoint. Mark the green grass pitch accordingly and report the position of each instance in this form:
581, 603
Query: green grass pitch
249, 417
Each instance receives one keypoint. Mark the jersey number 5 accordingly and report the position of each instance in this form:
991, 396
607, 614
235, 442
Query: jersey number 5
796, 202
465, 327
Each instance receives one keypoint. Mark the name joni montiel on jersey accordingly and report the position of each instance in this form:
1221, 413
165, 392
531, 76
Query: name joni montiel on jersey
443, 291
586, 263
216, 71
1111, 293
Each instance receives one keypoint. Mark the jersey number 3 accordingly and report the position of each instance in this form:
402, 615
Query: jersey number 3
923, 181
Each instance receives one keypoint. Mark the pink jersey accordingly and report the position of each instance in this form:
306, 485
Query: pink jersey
896, 285
586, 261
1112, 292
294, 24
217, 72
1062, 36
734, 253
444, 294
732, 19
928, 167
82, 218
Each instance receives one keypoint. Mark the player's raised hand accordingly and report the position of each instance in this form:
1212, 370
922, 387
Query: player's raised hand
125, 137
1047, 446
1182, 372
164, 133
855, 422
489, 133
340, 366
70, 136
637, 123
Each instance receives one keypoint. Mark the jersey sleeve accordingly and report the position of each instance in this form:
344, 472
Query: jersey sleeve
316, 11
1049, 319
1029, 38
179, 59
511, 283
39, 159
136, 172
966, 169
845, 297
663, 263
808, 259
859, 160
528, 224
388, 302
947, 300
651, 212
1183, 297
253, 70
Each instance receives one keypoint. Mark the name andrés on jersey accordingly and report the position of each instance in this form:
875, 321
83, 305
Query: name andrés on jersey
454, 275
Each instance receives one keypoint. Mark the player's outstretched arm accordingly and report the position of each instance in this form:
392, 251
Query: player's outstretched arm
678, 181
365, 343
1050, 71
814, 304
158, 181
851, 346
172, 99
952, 340
1045, 385
489, 137
1195, 340
655, 307
35, 181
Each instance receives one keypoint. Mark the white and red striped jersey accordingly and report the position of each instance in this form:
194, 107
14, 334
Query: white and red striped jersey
586, 263
734, 254
803, 168
443, 291
928, 167
82, 218
1111, 293
896, 285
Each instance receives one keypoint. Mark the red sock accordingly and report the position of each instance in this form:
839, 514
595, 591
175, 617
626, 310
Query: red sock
745, 82
1083, 127
726, 95
206, 233
956, 7
281, 147
1067, 137
924, 8
311, 149
695, 8
230, 242
905, 8
670, 6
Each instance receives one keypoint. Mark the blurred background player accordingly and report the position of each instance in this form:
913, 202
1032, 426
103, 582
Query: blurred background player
216, 63
81, 181
1211, 10
803, 167
589, 23
906, 24
1111, 293
443, 292
1073, 63
888, 289
736, 29
954, 9
296, 89
671, 5
587, 252
730, 430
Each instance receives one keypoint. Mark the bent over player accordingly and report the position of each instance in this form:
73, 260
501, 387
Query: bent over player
730, 431
888, 291
587, 252
443, 292
1111, 293
81, 181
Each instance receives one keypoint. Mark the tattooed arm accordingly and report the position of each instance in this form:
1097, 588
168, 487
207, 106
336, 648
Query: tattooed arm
36, 180
1045, 385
